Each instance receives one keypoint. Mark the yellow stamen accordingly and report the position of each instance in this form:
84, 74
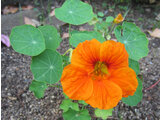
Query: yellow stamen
100, 68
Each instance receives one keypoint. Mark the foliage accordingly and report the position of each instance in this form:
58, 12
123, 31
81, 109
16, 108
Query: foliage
27, 40
136, 42
38, 88
134, 65
47, 64
76, 115
80, 36
137, 97
74, 12
47, 67
67, 103
51, 36
109, 19
104, 114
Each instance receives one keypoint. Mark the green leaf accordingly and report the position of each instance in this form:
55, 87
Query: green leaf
27, 40
51, 36
100, 14
65, 59
109, 19
102, 26
137, 97
38, 88
134, 65
82, 102
65, 96
104, 114
67, 103
74, 12
78, 37
136, 42
47, 67
74, 115
94, 20
100, 20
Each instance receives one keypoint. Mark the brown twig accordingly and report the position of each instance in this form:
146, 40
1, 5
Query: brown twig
153, 85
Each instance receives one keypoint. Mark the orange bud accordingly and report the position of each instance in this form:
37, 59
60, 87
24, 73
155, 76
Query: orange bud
118, 19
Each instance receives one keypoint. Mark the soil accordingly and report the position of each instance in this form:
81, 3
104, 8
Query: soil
18, 103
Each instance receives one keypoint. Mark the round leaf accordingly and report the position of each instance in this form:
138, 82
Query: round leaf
51, 36
109, 19
47, 67
67, 103
100, 14
134, 65
137, 97
136, 42
74, 12
75, 115
38, 88
78, 37
27, 40
102, 26
104, 114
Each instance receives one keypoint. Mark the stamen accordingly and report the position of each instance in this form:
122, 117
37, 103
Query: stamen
100, 69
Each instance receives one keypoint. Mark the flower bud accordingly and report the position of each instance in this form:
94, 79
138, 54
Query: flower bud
118, 19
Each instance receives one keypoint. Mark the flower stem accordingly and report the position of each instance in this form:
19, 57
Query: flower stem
112, 28
57, 86
69, 34
69, 30
69, 50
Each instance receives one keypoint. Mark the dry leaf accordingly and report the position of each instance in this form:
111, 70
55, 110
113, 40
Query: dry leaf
52, 13
28, 7
114, 40
12, 98
65, 35
31, 21
111, 10
158, 17
82, 29
155, 33
10, 9
152, 1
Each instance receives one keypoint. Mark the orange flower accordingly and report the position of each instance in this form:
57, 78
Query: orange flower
99, 74
118, 19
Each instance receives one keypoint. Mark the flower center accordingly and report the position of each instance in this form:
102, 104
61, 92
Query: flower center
100, 68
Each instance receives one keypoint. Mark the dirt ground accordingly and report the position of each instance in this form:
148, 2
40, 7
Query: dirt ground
18, 103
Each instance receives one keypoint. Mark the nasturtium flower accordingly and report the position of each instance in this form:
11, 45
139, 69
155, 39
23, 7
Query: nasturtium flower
99, 74
118, 19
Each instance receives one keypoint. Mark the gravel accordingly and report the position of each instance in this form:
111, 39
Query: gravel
18, 103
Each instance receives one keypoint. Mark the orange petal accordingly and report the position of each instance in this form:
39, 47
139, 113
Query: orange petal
114, 54
86, 54
106, 94
126, 79
76, 83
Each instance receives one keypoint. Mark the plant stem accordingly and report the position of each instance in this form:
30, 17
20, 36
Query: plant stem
43, 16
49, 10
57, 86
69, 34
70, 49
112, 27
126, 13
20, 9
69, 30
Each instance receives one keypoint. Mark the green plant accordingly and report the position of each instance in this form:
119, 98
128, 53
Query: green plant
47, 64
